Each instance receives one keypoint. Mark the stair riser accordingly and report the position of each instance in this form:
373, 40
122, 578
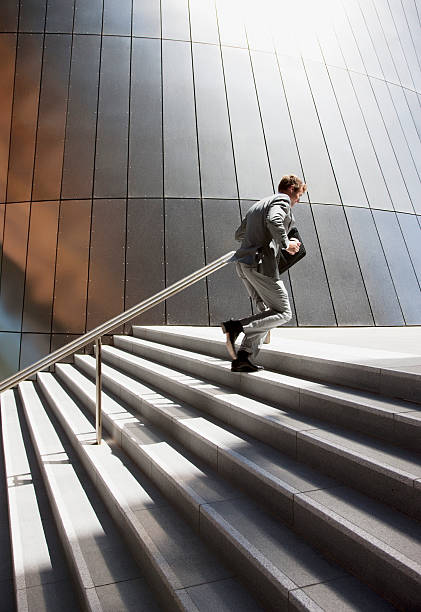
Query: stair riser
302, 521
156, 576
85, 589
175, 492
276, 498
400, 587
304, 401
363, 377
386, 487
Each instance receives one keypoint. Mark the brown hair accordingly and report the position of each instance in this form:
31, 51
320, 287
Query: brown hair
290, 180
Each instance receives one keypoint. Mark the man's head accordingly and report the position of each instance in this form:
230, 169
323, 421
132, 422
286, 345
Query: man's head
293, 186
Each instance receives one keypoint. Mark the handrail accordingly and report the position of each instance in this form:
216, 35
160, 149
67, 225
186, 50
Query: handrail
116, 321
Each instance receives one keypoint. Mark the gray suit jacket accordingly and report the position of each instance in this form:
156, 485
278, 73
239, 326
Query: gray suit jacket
263, 232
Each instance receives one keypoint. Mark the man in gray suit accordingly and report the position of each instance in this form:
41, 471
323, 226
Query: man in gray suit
263, 233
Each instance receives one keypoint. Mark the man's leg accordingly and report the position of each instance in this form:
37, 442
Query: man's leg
272, 293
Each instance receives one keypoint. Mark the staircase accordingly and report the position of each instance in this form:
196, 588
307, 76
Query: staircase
295, 488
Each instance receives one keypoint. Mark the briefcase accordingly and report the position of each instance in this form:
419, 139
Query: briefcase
286, 260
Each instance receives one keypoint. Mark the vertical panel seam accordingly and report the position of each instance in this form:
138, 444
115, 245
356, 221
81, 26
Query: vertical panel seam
198, 159
128, 158
164, 204
32, 185
61, 178
93, 170
12, 110
401, 45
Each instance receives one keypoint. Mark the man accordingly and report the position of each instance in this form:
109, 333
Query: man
263, 233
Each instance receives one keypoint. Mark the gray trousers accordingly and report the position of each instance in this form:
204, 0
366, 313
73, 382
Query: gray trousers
271, 300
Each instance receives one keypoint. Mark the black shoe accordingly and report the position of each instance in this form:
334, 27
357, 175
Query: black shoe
232, 329
243, 364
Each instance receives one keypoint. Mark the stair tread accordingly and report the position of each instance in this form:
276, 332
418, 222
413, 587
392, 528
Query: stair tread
261, 533
364, 398
99, 555
379, 530
382, 369
188, 560
38, 565
404, 464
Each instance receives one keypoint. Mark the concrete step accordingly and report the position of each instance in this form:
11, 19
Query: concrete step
171, 555
390, 372
106, 575
41, 578
397, 421
279, 567
387, 473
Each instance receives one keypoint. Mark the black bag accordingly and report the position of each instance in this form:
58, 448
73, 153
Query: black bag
286, 260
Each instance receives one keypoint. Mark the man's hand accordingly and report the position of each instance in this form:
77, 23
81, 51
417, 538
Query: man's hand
293, 247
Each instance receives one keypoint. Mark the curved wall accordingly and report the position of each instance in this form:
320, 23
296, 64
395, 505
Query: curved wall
134, 135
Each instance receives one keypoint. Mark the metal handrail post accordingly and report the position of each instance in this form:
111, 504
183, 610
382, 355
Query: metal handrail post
98, 419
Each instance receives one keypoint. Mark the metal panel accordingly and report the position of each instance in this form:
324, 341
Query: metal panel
78, 165
147, 18
407, 123
412, 234
217, 172
32, 15
2, 216
382, 145
175, 19
345, 37
107, 254
145, 163
113, 119
16, 225
394, 44
24, 120
117, 17
59, 340
343, 272
33, 347
88, 17
145, 267
39, 282
227, 295
60, 16
7, 74
231, 28
401, 268
377, 35
204, 27
312, 297
413, 22
71, 280
280, 139
330, 46
181, 178
184, 253
405, 38
52, 117
399, 143
311, 145
367, 162
9, 10
253, 172
415, 105
9, 354
341, 154
363, 39
380, 289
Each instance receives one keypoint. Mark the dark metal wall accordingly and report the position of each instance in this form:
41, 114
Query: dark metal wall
134, 134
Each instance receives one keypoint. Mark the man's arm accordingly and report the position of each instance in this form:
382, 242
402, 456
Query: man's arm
275, 223
241, 231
